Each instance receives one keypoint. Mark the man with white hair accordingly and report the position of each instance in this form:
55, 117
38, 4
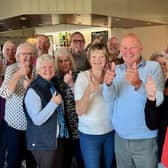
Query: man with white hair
113, 46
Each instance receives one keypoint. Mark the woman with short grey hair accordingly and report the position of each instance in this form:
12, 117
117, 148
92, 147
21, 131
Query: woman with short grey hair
17, 78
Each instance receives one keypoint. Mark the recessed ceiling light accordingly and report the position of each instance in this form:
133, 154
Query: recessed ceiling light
23, 27
148, 23
23, 18
10, 29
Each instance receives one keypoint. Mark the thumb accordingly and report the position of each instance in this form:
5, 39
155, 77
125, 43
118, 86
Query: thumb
149, 79
70, 72
134, 66
113, 66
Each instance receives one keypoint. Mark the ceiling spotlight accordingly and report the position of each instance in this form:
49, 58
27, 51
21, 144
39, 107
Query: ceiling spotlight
23, 18
148, 23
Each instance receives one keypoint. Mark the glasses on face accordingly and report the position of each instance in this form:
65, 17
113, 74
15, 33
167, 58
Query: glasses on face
27, 54
78, 41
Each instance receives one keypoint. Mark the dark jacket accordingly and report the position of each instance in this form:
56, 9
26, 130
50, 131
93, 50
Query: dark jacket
157, 118
41, 137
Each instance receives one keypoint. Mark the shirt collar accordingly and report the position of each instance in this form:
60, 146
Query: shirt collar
141, 64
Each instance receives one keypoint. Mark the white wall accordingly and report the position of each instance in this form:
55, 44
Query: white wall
153, 38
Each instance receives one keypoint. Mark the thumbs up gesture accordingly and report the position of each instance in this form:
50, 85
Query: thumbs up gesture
93, 84
132, 76
110, 74
150, 87
68, 79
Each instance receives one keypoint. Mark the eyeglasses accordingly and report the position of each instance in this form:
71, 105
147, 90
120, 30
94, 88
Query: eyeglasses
26, 54
78, 41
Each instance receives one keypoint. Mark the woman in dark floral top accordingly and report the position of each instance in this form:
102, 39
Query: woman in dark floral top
66, 76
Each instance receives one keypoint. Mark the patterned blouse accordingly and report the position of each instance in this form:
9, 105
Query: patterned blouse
71, 117
14, 114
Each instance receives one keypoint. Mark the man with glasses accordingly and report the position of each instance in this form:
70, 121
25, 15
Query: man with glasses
77, 44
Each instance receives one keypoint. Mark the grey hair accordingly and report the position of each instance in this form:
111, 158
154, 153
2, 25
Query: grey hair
6, 44
157, 54
25, 44
44, 58
64, 51
113, 38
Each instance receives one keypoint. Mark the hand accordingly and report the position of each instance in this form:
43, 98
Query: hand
132, 76
150, 87
56, 98
68, 79
110, 74
26, 82
93, 85
25, 70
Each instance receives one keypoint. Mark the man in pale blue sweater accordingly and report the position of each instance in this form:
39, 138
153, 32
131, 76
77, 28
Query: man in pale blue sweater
135, 144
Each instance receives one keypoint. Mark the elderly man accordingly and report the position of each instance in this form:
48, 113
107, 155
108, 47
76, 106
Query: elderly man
42, 44
135, 144
77, 44
113, 45
8, 51
17, 78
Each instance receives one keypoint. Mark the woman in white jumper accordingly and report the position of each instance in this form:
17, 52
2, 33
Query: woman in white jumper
96, 132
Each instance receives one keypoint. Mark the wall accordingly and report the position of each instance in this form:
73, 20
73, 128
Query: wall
153, 38
149, 10
10, 8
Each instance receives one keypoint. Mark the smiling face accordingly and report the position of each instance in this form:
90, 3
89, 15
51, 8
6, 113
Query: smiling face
42, 44
9, 51
26, 55
113, 46
46, 70
163, 63
97, 59
77, 43
64, 64
131, 49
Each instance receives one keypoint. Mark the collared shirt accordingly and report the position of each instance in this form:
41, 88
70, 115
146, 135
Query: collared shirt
14, 114
128, 111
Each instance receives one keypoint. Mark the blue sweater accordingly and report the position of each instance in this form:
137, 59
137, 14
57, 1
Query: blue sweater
128, 112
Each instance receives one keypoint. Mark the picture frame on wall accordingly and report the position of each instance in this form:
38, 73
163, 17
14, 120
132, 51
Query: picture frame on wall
102, 35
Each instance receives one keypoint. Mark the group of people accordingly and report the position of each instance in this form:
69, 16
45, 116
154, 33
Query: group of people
96, 105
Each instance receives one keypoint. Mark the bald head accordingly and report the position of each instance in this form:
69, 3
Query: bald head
131, 49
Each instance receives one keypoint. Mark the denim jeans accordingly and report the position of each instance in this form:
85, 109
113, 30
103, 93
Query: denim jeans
97, 150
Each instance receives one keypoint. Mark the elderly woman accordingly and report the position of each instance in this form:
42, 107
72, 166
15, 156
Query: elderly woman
96, 132
42, 105
66, 76
158, 118
17, 78
162, 58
